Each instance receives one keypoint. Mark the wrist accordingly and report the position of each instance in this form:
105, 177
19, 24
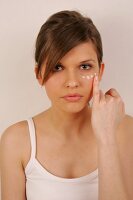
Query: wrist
107, 139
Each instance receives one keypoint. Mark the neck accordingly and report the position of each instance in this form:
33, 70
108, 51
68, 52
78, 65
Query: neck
70, 125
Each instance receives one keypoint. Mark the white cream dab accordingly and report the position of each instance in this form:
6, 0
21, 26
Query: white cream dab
88, 77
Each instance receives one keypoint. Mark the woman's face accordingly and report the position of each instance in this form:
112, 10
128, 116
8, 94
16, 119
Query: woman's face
74, 75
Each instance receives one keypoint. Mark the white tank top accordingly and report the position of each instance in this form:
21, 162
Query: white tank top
43, 185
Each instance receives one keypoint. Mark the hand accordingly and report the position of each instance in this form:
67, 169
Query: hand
107, 112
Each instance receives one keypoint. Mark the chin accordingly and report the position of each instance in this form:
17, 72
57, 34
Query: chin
73, 108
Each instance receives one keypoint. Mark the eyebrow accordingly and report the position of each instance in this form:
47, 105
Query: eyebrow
88, 61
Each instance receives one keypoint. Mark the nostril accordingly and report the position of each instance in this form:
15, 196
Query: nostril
72, 84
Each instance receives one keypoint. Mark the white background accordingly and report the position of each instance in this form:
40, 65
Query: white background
20, 21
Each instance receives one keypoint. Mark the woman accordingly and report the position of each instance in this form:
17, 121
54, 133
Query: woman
72, 150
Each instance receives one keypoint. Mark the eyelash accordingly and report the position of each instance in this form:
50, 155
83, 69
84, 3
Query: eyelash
55, 70
90, 66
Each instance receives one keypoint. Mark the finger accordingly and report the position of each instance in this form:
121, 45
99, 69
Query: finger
102, 96
96, 93
123, 107
113, 92
108, 97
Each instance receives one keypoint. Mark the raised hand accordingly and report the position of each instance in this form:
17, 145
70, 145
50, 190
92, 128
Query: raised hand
107, 112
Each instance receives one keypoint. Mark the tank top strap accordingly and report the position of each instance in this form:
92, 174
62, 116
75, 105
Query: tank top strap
32, 136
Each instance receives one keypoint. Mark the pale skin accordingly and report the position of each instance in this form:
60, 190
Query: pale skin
102, 136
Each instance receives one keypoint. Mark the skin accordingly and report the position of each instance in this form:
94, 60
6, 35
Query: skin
107, 113
71, 113
102, 136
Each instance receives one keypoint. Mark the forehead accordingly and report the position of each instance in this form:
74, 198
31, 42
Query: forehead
83, 51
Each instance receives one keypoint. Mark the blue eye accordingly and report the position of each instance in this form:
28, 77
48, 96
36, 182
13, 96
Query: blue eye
57, 68
86, 66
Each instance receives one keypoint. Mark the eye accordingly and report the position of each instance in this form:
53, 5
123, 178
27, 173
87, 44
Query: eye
86, 66
57, 68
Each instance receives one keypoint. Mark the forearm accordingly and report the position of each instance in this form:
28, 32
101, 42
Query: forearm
111, 180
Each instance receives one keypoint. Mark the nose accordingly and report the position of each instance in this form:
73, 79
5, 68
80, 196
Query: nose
72, 80
72, 84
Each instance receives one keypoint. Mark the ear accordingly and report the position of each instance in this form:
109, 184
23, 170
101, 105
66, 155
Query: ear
38, 75
101, 70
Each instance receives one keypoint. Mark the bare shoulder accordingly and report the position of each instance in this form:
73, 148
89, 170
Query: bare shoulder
15, 133
127, 129
125, 138
15, 138
128, 136
12, 146
128, 121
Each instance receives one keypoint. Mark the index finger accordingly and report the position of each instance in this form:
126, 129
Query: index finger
96, 92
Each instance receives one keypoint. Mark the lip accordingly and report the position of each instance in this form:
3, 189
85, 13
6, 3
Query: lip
72, 97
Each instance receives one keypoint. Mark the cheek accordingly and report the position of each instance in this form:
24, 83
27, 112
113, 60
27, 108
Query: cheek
87, 81
91, 90
88, 85
50, 86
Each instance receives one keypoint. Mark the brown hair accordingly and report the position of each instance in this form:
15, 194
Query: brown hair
59, 34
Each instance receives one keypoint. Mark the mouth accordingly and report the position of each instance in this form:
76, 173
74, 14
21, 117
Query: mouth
72, 97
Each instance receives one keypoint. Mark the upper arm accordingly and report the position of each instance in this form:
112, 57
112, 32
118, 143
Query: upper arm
12, 173
130, 157
127, 154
